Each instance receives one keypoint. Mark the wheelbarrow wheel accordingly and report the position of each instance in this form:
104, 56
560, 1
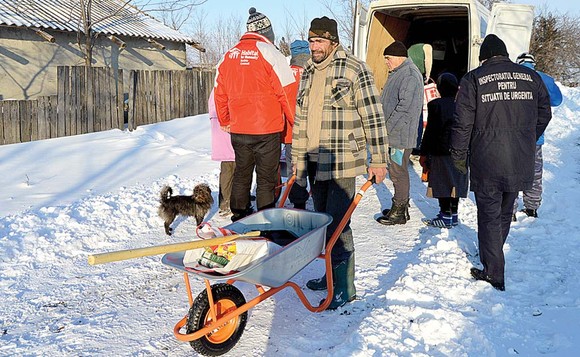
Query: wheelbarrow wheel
226, 298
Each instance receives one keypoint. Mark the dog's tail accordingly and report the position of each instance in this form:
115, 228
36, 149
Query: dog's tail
166, 193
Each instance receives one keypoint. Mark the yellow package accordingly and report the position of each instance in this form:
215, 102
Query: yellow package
227, 250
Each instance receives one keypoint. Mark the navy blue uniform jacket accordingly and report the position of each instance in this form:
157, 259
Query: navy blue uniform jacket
502, 108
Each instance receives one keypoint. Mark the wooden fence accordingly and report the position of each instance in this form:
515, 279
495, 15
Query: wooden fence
27, 120
81, 109
154, 96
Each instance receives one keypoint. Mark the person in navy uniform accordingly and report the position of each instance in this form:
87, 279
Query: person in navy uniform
502, 109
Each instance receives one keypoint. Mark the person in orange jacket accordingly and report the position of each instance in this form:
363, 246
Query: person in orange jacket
251, 96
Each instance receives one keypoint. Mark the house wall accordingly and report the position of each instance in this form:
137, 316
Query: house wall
28, 62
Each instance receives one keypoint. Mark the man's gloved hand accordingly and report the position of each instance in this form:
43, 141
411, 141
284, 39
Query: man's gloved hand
461, 166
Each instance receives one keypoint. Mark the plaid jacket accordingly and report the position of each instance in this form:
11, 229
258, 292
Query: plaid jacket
353, 124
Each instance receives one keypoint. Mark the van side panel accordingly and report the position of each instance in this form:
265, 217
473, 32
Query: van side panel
513, 24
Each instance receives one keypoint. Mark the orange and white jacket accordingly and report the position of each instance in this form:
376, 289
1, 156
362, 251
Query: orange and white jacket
251, 87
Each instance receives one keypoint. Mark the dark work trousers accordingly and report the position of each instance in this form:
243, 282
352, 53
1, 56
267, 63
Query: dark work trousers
298, 193
420, 131
399, 174
226, 181
261, 152
448, 205
494, 217
334, 197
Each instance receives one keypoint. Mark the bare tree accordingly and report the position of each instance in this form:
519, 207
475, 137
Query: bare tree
173, 13
556, 46
88, 21
284, 46
296, 26
344, 11
217, 37
489, 3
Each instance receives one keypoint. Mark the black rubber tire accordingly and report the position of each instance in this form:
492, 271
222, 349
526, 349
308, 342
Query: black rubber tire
198, 314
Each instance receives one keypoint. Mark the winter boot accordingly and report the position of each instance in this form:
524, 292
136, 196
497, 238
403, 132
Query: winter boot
300, 206
344, 289
454, 216
239, 214
454, 219
397, 214
442, 221
385, 212
317, 284
530, 212
478, 274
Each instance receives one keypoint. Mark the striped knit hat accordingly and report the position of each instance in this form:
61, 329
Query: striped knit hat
526, 58
259, 23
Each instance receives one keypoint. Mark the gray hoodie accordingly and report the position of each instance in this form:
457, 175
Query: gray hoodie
402, 100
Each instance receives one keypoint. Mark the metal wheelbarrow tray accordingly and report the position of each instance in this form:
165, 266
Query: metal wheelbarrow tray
218, 315
275, 269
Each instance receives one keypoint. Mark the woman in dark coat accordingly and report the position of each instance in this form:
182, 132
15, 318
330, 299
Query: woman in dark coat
446, 183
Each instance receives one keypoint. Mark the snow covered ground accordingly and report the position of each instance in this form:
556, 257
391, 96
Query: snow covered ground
63, 199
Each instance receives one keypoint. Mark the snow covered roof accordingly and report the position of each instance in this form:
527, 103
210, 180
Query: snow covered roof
109, 17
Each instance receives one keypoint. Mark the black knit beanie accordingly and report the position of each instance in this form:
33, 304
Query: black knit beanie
397, 49
447, 84
492, 46
324, 27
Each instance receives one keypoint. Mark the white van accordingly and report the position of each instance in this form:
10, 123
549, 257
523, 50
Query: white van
454, 28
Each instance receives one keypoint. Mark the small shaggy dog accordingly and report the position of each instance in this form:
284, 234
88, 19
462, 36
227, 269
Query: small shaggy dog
196, 205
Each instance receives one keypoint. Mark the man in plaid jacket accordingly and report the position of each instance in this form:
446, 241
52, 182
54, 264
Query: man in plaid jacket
339, 124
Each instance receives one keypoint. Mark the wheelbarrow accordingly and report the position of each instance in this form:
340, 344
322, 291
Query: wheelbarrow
218, 315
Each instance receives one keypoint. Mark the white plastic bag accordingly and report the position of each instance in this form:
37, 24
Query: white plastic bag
246, 252
206, 231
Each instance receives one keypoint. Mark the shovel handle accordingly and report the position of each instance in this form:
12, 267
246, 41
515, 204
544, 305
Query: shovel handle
95, 259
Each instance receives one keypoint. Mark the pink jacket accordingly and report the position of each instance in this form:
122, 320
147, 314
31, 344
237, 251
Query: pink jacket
221, 144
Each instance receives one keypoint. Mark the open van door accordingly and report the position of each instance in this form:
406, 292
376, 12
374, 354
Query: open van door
513, 24
359, 43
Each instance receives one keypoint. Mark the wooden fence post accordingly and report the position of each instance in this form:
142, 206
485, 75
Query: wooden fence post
2, 111
13, 135
131, 100
120, 100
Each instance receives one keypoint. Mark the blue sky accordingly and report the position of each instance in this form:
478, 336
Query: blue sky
556, 6
277, 11
303, 11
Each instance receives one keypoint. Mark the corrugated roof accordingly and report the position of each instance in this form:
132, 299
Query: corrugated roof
110, 17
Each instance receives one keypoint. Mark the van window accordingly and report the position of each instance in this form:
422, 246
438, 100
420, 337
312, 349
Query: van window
482, 26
